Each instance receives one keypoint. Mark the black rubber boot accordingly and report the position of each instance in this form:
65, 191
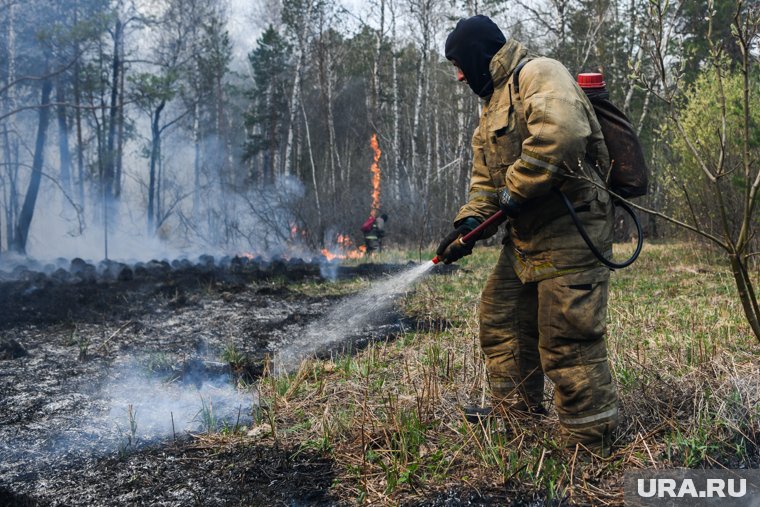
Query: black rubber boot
478, 415
475, 414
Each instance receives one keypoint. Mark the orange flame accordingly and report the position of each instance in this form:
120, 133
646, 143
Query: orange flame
329, 255
344, 249
375, 176
297, 234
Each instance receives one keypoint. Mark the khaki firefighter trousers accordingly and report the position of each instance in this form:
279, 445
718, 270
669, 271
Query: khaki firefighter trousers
554, 327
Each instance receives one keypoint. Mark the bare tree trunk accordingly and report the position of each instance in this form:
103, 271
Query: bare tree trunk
98, 195
632, 84
196, 160
8, 187
395, 169
417, 111
63, 137
313, 169
78, 120
298, 145
424, 20
120, 133
335, 166
155, 154
11, 148
747, 294
326, 73
110, 155
471, 7
429, 148
347, 168
294, 95
644, 112
436, 143
561, 7
12, 207
159, 186
30, 200
221, 129
375, 107
272, 153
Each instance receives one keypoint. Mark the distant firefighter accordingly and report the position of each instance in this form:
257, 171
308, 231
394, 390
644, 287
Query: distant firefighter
374, 231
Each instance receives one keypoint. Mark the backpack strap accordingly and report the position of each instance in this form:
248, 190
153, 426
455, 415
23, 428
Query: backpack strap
516, 74
516, 100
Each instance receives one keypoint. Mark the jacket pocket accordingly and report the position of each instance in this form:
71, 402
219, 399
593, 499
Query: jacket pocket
504, 144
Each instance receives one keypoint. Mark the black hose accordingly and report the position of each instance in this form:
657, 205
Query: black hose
597, 253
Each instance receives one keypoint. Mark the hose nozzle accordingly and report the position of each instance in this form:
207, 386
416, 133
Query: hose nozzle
496, 218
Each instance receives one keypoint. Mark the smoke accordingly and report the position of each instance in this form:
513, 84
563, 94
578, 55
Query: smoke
156, 408
133, 408
353, 316
260, 222
55, 234
329, 270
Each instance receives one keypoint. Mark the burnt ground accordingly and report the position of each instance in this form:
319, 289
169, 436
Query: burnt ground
71, 349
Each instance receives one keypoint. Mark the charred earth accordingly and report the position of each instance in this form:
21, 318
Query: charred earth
111, 373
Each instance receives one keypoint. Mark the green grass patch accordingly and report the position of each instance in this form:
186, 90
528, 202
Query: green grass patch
683, 358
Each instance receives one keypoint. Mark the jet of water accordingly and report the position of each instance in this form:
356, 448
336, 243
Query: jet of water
351, 316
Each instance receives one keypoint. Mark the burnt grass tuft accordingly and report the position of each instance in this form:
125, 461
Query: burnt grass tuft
379, 420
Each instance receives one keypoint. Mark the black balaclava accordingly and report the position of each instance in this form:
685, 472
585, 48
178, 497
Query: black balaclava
471, 45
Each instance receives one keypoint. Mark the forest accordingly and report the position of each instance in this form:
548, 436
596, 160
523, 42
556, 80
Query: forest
129, 127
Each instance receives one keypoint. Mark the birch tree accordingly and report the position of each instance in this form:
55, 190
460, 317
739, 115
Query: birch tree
297, 17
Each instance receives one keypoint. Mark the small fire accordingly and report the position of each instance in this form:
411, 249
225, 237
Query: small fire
343, 241
344, 249
375, 168
297, 234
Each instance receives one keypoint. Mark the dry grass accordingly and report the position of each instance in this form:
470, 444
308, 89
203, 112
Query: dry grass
685, 362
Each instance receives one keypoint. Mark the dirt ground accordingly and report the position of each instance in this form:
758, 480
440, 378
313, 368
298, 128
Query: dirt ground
69, 348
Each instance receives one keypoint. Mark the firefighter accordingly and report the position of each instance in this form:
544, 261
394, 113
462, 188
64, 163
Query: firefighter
543, 309
374, 234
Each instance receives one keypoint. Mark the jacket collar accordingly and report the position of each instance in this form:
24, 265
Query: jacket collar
505, 60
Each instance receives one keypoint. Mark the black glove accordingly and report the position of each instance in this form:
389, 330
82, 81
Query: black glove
451, 249
508, 204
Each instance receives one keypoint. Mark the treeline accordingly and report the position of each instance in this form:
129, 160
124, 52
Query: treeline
120, 115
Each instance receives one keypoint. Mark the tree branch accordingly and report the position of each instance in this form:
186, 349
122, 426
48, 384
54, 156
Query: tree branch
56, 104
49, 75
652, 212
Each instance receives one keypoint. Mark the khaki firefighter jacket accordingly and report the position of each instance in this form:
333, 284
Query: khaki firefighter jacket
533, 142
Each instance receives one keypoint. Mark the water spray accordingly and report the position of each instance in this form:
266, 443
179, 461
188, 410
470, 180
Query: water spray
355, 313
495, 219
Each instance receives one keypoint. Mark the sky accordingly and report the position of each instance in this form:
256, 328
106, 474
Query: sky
248, 18
244, 26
